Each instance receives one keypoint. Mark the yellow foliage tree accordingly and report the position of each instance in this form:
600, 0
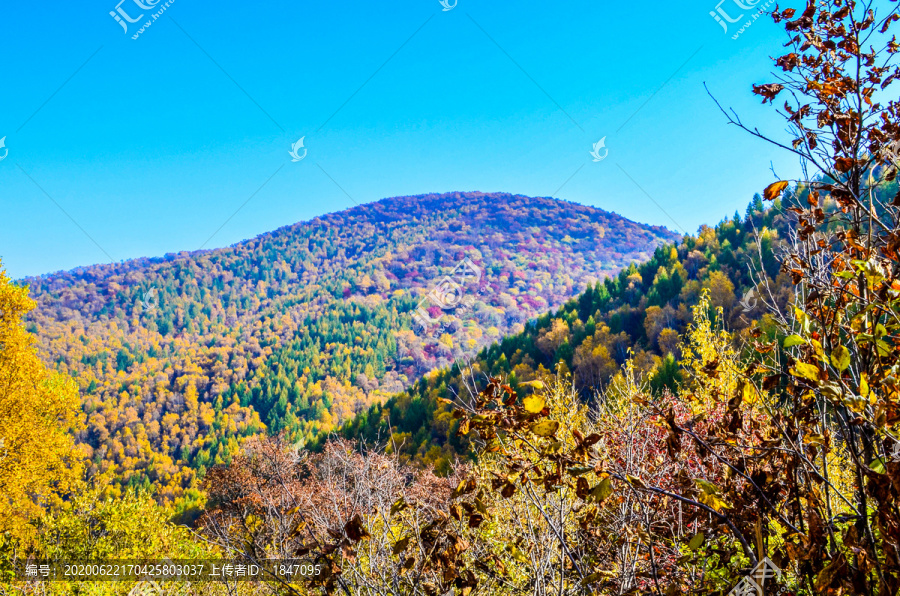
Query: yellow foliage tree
132, 526
709, 359
38, 411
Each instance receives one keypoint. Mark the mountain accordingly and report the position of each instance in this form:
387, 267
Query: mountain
179, 358
640, 314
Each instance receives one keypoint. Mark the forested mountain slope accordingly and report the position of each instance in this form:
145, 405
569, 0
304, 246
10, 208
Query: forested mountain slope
178, 358
639, 313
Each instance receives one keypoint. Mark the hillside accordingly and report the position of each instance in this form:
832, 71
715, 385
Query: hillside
179, 358
641, 313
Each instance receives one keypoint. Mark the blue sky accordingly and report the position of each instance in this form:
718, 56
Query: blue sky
179, 139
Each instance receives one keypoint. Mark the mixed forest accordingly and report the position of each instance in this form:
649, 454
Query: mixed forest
639, 316
179, 359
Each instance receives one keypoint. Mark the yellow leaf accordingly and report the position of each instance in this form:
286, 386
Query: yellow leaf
792, 340
806, 371
707, 487
774, 190
544, 428
635, 481
600, 492
533, 404
840, 358
714, 502
748, 393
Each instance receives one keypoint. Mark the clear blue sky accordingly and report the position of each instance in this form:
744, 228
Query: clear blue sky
151, 145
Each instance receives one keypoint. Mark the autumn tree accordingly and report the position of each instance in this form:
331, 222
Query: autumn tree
373, 525
837, 367
638, 496
38, 413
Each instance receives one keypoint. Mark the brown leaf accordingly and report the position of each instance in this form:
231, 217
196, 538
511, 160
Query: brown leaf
401, 545
768, 91
591, 439
788, 62
827, 576
355, 530
582, 488
843, 164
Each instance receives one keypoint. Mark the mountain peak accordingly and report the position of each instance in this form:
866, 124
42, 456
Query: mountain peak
300, 328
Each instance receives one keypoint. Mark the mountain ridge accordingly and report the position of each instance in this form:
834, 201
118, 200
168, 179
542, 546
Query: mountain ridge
435, 197
179, 358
